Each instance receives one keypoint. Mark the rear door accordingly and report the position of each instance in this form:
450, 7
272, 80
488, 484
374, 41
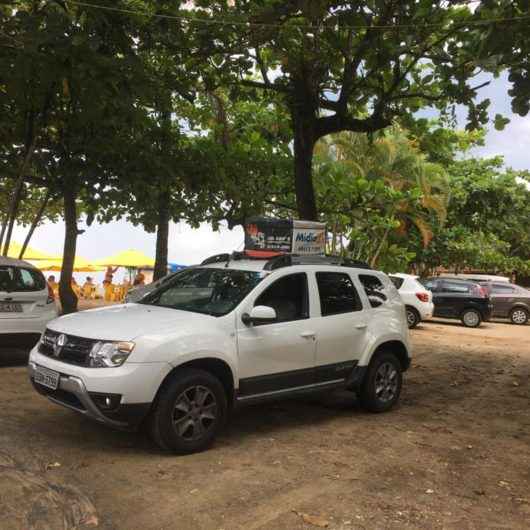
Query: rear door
452, 297
503, 297
340, 325
23, 292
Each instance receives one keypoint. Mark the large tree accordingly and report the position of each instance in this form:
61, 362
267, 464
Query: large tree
356, 66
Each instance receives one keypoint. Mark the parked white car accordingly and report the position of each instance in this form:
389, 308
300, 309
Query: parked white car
26, 303
224, 334
418, 300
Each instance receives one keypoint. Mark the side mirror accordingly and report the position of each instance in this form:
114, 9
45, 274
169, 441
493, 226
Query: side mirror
260, 314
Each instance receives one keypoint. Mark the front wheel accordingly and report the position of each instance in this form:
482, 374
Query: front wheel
381, 386
471, 318
413, 317
519, 315
189, 412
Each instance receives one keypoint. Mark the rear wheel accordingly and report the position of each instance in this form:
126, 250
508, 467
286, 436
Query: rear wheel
381, 387
471, 318
519, 315
413, 317
189, 412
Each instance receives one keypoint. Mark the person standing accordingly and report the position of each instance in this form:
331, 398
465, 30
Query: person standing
109, 273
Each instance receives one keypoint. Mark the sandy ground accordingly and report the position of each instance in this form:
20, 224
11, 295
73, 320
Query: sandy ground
454, 454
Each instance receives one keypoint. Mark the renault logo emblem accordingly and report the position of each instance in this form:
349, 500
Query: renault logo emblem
60, 342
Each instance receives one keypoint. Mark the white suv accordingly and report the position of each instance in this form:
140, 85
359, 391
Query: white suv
228, 332
26, 303
418, 300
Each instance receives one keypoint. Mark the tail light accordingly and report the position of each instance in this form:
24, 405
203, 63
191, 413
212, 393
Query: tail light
51, 296
422, 297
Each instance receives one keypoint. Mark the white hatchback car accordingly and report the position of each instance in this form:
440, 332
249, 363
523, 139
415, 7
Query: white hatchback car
418, 300
231, 331
26, 303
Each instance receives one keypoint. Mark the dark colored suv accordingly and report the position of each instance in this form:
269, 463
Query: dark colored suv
510, 301
465, 300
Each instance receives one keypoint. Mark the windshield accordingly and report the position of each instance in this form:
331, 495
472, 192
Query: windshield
210, 291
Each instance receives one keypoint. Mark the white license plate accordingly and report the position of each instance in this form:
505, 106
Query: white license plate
46, 377
10, 308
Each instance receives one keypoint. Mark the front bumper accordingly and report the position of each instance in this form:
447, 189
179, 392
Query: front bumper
130, 388
72, 393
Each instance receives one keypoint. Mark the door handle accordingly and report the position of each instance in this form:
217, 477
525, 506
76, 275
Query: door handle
307, 334
361, 326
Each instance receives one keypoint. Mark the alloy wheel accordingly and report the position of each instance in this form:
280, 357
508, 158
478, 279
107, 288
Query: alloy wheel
471, 319
195, 413
386, 382
411, 317
519, 316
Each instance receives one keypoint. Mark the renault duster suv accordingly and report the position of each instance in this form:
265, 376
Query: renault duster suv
229, 332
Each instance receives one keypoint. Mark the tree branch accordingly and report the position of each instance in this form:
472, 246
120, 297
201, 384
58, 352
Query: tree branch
264, 86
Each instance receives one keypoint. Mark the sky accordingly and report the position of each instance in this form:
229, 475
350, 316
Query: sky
188, 246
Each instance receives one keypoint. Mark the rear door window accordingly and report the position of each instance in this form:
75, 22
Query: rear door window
499, 288
374, 289
397, 281
455, 287
337, 294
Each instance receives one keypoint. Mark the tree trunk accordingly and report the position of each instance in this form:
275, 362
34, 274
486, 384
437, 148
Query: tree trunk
17, 192
34, 224
304, 142
66, 294
162, 235
12, 216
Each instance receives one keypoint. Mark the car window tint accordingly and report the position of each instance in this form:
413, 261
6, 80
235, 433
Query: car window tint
499, 288
26, 279
397, 281
374, 289
210, 291
337, 293
429, 284
288, 296
7, 279
16, 279
455, 287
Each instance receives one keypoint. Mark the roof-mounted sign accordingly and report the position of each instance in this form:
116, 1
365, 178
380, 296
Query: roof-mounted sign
266, 236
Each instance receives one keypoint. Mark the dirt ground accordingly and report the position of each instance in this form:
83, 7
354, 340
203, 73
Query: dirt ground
454, 454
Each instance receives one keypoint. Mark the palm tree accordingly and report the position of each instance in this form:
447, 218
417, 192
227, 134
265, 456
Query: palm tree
417, 190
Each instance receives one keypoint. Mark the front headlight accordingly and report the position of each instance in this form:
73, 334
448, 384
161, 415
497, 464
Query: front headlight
110, 354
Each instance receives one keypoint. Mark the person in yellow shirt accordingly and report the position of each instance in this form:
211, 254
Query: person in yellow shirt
53, 284
88, 288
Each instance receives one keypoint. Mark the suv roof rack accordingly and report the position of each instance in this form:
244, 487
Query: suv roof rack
287, 260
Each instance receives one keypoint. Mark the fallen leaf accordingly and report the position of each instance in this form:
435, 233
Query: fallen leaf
315, 520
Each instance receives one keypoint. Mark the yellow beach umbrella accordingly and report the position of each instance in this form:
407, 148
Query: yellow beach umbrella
80, 265
128, 258
29, 253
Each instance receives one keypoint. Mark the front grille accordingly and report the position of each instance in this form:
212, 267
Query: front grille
75, 351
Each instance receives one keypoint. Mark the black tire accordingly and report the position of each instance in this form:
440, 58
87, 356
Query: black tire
413, 317
519, 316
183, 432
471, 318
372, 397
